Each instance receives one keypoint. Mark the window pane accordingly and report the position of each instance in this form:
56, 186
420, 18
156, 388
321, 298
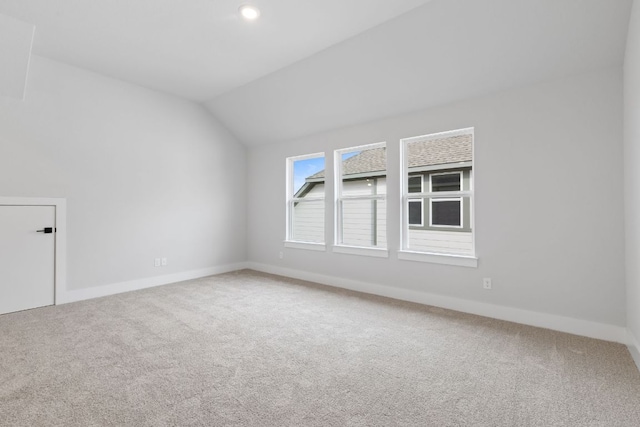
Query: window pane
307, 221
364, 172
415, 212
364, 223
361, 208
364, 187
415, 184
447, 182
446, 212
306, 215
307, 171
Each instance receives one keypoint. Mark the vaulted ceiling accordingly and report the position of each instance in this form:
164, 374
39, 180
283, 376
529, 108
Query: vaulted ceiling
196, 49
309, 66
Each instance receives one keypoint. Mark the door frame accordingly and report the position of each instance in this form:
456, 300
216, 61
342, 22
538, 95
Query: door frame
60, 237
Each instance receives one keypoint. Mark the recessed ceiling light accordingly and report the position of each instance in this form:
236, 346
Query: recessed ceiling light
248, 12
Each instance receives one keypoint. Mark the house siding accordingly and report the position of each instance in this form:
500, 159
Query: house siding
308, 217
452, 242
364, 221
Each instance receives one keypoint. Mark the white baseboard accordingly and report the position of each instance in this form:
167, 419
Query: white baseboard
148, 282
543, 320
634, 347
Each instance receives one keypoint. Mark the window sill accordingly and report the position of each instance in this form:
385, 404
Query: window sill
361, 250
321, 247
459, 260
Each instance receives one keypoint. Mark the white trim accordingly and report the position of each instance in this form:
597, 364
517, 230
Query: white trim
438, 258
148, 282
361, 250
404, 199
634, 347
439, 135
472, 189
306, 156
363, 147
310, 246
365, 197
447, 199
306, 199
440, 194
569, 325
60, 205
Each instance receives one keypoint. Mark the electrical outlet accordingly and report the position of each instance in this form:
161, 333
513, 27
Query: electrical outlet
156, 262
281, 255
486, 283
164, 262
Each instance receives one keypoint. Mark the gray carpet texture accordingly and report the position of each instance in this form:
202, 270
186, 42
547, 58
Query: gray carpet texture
251, 349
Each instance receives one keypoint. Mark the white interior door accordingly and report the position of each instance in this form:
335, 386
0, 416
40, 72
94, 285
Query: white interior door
27, 257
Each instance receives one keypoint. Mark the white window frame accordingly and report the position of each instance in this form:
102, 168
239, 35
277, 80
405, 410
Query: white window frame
416, 199
338, 246
406, 253
290, 242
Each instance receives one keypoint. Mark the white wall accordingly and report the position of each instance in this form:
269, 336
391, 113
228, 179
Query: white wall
549, 207
632, 170
442, 52
16, 38
145, 174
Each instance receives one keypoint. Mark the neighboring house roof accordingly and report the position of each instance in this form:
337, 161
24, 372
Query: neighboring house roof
374, 160
443, 151
454, 149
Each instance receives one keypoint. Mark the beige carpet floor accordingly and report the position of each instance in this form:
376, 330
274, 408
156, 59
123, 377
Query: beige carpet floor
249, 349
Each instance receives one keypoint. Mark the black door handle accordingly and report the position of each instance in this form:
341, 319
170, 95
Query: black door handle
46, 230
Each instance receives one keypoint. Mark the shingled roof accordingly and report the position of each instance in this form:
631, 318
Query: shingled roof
455, 149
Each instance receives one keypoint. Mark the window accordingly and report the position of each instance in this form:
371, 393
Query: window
445, 212
437, 194
305, 200
415, 205
361, 188
451, 181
